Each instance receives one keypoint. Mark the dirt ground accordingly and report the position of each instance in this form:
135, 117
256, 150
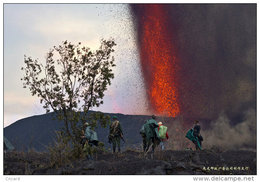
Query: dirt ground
169, 162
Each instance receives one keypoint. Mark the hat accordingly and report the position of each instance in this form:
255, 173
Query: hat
196, 121
114, 117
86, 124
160, 122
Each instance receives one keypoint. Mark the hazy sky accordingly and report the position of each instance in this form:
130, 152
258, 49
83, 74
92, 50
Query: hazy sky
32, 29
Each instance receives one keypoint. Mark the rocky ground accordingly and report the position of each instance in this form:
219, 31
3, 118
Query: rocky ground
133, 162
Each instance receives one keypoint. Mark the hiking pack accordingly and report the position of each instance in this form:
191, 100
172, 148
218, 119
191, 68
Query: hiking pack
151, 129
90, 134
193, 138
162, 132
115, 129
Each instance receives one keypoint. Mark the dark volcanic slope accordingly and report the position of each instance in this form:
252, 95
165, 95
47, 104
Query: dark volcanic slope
39, 131
32, 132
132, 162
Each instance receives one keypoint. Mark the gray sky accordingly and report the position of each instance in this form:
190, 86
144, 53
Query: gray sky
32, 29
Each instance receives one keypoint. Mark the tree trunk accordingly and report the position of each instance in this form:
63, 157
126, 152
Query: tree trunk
66, 122
67, 128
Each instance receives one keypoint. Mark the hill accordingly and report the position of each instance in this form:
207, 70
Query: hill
37, 132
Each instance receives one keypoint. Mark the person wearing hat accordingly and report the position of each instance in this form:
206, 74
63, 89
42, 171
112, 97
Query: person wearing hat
163, 134
115, 134
90, 140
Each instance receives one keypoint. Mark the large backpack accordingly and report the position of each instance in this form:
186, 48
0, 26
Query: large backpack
90, 134
115, 129
190, 135
192, 138
162, 132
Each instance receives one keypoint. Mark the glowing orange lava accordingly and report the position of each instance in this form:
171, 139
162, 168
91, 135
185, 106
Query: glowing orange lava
158, 61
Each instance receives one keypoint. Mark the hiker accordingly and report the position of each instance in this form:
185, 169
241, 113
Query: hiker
83, 138
196, 133
163, 134
115, 134
151, 134
91, 140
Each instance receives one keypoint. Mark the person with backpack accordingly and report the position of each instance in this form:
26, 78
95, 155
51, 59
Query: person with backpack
163, 134
194, 135
83, 137
150, 130
115, 134
197, 135
90, 140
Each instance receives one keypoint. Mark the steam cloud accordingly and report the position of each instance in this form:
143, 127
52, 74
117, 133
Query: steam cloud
222, 133
225, 136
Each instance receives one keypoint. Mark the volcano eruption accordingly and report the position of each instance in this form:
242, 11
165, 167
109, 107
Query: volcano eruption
198, 61
159, 61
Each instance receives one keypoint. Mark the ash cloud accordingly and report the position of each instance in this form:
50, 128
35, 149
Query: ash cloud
216, 46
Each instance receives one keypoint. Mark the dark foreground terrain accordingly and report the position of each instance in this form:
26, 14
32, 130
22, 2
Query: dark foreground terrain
132, 162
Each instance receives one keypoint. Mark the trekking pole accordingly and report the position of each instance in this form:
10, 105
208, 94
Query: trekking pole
123, 139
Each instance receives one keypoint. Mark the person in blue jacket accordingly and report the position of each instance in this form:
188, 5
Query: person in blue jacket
91, 140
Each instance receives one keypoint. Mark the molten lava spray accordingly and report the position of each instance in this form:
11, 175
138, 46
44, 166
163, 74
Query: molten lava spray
158, 59
190, 55
199, 61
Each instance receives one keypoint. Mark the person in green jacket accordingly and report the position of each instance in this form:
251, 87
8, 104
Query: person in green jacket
151, 136
115, 134
163, 134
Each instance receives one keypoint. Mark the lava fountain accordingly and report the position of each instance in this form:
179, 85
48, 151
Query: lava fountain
159, 63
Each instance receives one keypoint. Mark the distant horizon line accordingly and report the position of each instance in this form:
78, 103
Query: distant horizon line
110, 113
